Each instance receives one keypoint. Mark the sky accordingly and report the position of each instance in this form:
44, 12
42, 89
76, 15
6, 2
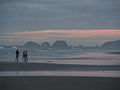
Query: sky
86, 22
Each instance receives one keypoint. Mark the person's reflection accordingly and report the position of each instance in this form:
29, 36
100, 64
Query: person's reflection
17, 72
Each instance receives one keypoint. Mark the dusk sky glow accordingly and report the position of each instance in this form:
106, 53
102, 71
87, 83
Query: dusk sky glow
85, 37
86, 22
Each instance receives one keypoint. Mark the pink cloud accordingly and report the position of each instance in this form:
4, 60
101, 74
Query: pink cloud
36, 32
71, 33
21, 37
75, 36
47, 34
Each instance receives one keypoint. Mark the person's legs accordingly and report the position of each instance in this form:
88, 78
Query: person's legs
26, 59
23, 59
16, 59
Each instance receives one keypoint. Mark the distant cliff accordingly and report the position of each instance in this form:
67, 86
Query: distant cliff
46, 45
60, 45
112, 44
32, 45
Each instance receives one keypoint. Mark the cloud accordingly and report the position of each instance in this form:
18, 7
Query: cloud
36, 5
59, 19
72, 33
28, 5
86, 37
59, 14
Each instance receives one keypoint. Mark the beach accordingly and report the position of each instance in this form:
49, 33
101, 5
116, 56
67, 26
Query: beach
60, 45
55, 82
62, 74
59, 83
11, 66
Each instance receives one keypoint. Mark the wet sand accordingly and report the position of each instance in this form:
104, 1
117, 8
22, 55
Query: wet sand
8, 66
59, 83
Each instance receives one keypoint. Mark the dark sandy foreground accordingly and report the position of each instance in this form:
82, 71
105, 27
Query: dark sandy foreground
50, 66
59, 83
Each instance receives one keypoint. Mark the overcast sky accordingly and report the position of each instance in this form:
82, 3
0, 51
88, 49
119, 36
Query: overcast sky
18, 16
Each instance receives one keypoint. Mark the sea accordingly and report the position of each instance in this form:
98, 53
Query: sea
71, 57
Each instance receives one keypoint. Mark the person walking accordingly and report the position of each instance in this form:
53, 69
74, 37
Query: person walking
17, 56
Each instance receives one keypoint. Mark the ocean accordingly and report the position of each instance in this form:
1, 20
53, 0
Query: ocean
64, 57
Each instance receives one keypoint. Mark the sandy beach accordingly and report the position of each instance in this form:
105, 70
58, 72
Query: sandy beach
59, 83
10, 66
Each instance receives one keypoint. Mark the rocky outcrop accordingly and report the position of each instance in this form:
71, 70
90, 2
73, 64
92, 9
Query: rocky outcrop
61, 45
111, 44
32, 45
46, 45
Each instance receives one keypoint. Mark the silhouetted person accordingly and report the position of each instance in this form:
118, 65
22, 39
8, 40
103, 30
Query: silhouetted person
17, 56
25, 56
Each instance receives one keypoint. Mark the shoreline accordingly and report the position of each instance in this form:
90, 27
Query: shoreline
9, 66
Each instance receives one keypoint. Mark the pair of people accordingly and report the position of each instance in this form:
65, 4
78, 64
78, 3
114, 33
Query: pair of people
25, 56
